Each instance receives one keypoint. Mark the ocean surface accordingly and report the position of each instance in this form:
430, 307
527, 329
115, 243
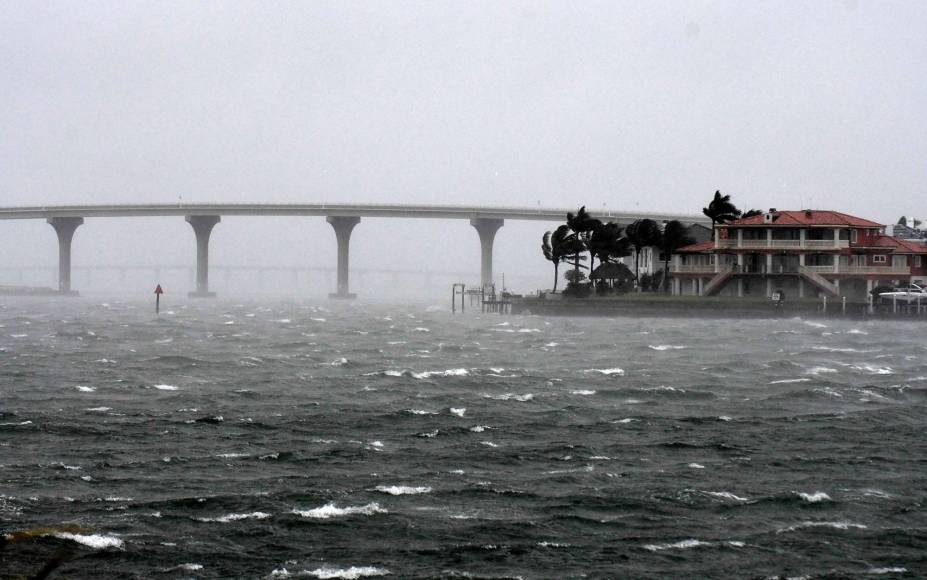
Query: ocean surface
255, 439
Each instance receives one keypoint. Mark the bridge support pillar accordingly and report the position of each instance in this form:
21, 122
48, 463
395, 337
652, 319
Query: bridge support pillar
64, 227
202, 227
343, 225
487, 229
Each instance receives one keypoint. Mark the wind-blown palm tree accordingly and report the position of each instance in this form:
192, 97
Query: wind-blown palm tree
585, 227
605, 243
560, 246
720, 211
750, 213
640, 234
674, 236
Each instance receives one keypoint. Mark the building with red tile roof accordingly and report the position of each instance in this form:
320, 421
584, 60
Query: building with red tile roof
800, 253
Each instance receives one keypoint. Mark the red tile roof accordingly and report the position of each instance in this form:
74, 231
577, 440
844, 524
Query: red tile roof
899, 246
812, 217
696, 248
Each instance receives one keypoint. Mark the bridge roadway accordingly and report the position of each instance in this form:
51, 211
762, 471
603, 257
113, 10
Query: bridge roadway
65, 219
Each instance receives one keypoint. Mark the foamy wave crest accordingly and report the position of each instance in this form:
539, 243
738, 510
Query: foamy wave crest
330, 510
873, 369
511, 397
665, 347
891, 570
402, 489
726, 495
447, 373
459, 411
84, 389
789, 381
820, 371
583, 392
165, 387
236, 517
351, 573
834, 525
815, 497
607, 372
96, 541
692, 543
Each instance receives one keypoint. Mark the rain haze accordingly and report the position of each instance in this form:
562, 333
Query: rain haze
624, 105
747, 401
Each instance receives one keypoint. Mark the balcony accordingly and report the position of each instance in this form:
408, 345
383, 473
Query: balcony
851, 270
731, 244
700, 269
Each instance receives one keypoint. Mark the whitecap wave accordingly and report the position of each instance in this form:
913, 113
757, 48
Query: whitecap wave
524, 398
665, 347
458, 411
583, 392
96, 541
165, 387
726, 495
351, 573
789, 381
834, 525
873, 369
607, 372
447, 373
330, 510
84, 389
236, 517
815, 497
402, 489
820, 370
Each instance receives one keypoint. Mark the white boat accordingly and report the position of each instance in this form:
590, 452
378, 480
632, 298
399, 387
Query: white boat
909, 294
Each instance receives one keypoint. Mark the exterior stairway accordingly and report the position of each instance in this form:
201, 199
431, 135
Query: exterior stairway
818, 281
715, 284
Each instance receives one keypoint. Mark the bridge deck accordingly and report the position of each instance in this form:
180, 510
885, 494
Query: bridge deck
327, 209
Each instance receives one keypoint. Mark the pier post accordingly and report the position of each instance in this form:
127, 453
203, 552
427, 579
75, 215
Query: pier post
64, 227
487, 229
343, 225
202, 227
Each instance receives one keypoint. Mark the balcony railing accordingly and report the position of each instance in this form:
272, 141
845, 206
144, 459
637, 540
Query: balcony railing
700, 268
891, 269
782, 244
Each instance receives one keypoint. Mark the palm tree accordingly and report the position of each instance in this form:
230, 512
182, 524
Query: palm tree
640, 234
585, 227
674, 236
607, 244
720, 211
560, 246
750, 213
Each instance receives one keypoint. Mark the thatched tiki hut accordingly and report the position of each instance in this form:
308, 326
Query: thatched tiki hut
614, 274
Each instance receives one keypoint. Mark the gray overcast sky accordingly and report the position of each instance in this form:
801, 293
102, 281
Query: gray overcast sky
630, 104
633, 105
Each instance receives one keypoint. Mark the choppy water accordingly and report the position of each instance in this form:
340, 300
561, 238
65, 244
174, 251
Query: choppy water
345, 441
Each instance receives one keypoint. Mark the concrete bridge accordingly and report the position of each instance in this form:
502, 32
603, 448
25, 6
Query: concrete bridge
65, 219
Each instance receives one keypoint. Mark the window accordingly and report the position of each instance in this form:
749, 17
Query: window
879, 259
854, 236
917, 261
